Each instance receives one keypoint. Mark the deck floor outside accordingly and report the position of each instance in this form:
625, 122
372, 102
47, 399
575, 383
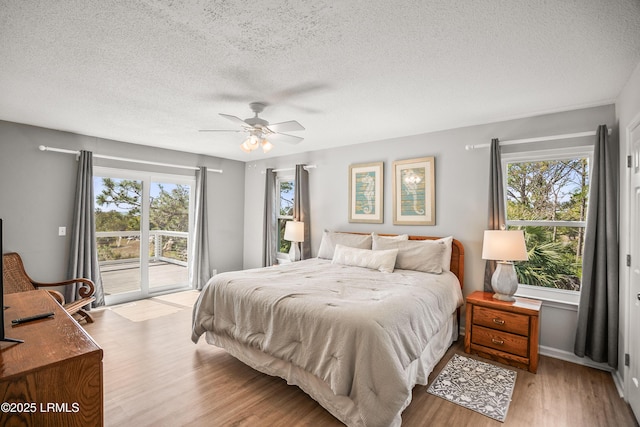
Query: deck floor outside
125, 277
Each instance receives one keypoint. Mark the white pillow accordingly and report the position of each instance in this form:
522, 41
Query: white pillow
399, 237
446, 257
419, 255
331, 238
367, 258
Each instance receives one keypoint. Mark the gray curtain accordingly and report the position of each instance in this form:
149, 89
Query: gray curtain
83, 256
497, 215
270, 229
301, 210
597, 331
200, 267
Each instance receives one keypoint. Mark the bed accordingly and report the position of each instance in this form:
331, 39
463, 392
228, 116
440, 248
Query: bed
356, 328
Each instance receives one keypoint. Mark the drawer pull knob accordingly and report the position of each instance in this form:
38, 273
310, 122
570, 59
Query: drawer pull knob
498, 321
495, 341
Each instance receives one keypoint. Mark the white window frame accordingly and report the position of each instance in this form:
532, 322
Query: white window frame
282, 256
539, 292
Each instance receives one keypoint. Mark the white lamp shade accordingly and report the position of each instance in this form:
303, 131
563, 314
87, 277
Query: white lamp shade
294, 231
504, 245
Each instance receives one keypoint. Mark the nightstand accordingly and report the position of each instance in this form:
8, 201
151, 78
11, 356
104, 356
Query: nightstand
506, 332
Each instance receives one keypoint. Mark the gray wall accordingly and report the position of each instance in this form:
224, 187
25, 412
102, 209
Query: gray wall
462, 180
37, 191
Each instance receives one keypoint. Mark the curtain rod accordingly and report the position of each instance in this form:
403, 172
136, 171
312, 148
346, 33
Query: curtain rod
306, 167
538, 139
124, 159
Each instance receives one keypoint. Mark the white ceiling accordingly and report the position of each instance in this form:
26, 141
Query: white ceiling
153, 72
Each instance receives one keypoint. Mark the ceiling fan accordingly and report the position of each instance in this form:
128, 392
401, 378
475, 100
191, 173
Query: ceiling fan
261, 133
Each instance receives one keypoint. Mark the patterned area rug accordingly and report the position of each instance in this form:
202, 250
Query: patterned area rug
479, 386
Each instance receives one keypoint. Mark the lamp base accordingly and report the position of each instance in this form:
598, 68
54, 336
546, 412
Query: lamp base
504, 281
294, 252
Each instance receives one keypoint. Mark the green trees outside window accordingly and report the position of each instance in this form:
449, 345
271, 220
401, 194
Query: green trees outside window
548, 200
118, 208
285, 211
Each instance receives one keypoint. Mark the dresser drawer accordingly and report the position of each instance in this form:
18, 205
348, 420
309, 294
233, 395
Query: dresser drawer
503, 341
502, 320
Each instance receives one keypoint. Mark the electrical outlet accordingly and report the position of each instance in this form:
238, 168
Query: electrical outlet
62, 231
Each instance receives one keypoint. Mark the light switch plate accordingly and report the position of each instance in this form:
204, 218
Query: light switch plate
62, 231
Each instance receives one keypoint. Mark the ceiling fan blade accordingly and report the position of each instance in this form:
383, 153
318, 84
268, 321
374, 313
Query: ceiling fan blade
289, 126
235, 119
283, 137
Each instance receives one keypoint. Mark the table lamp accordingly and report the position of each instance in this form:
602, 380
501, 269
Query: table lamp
504, 246
294, 232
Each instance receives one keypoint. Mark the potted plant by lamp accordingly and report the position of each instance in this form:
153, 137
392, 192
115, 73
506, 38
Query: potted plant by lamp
504, 247
294, 232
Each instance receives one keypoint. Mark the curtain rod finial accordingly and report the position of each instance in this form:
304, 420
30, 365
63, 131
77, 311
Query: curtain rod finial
42, 148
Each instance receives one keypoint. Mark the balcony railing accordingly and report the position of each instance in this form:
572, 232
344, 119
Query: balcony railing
124, 246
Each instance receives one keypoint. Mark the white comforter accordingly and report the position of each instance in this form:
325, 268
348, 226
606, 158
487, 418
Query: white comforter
356, 329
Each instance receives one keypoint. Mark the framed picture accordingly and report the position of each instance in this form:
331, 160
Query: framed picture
414, 192
366, 193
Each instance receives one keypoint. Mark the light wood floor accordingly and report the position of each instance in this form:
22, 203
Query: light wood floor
155, 376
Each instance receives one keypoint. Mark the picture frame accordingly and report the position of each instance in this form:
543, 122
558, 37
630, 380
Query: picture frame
366, 193
414, 192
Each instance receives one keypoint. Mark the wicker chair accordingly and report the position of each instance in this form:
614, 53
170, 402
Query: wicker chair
16, 279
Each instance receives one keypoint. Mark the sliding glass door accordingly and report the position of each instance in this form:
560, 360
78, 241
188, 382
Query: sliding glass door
168, 235
143, 229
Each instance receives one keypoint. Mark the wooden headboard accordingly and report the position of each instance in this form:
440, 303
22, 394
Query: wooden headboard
457, 254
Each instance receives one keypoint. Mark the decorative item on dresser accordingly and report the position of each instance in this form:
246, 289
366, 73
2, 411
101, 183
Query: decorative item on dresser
503, 331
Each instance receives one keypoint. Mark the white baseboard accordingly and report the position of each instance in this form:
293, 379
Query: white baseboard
570, 357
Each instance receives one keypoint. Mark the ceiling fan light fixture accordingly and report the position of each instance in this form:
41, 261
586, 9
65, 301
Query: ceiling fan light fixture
245, 147
253, 141
266, 146
259, 130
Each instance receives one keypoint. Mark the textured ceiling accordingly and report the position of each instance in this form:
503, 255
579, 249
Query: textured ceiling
153, 72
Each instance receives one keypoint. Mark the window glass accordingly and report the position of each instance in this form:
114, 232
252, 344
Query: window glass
548, 200
285, 211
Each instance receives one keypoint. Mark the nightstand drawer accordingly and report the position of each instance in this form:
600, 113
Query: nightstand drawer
502, 320
503, 341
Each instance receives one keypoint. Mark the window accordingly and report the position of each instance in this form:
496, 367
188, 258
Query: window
546, 195
286, 188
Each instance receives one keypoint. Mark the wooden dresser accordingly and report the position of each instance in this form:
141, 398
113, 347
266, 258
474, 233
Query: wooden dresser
54, 378
503, 331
